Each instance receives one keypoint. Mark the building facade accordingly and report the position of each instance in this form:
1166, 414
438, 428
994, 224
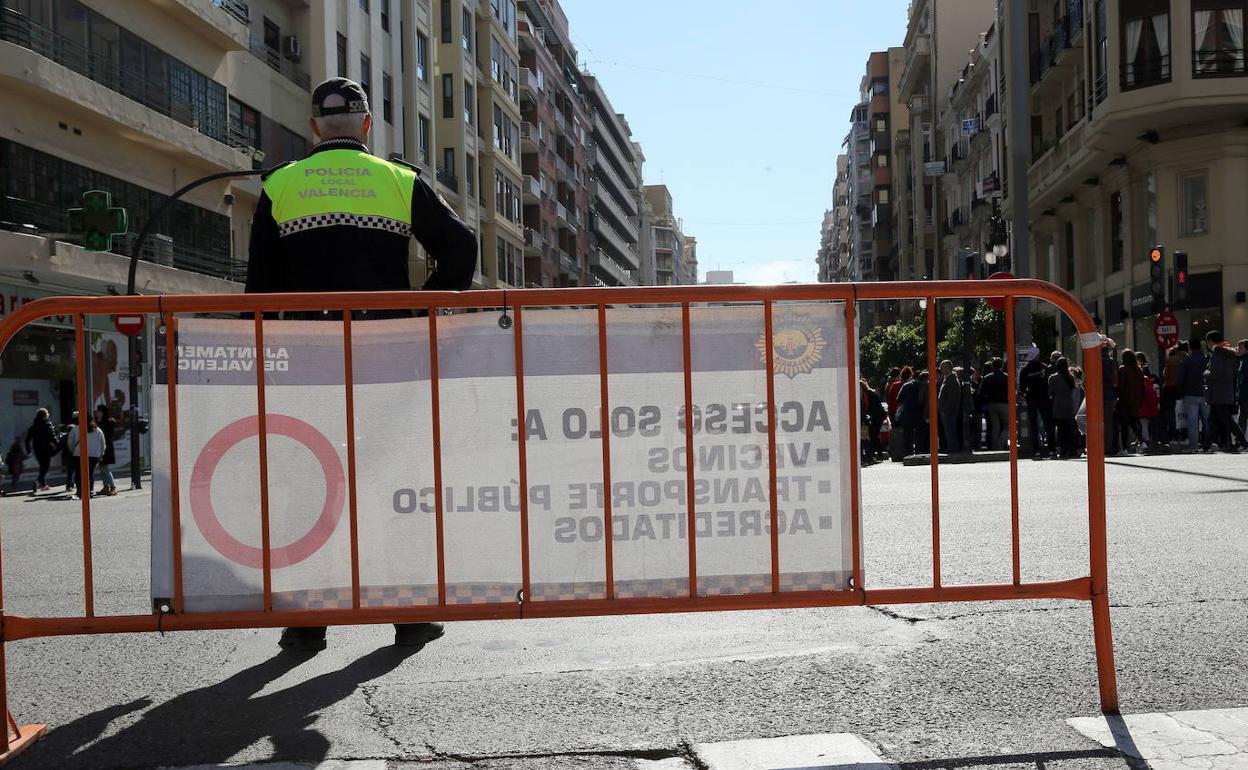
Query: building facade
675, 260
1139, 138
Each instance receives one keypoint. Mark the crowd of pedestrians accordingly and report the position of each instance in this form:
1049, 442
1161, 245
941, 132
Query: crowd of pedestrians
44, 441
1198, 402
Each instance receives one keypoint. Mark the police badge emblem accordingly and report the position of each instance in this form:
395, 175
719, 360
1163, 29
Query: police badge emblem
797, 346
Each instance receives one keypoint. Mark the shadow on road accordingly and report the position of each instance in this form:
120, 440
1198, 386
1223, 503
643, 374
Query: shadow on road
212, 724
1179, 471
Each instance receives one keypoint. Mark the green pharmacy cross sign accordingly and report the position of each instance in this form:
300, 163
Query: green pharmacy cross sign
97, 221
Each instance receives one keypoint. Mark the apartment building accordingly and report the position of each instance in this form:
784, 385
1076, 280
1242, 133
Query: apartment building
971, 126
615, 188
939, 33
833, 258
861, 264
670, 244
1140, 138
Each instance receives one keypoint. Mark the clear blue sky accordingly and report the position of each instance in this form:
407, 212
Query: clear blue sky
750, 163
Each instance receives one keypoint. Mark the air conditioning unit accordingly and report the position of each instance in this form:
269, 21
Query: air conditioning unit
290, 48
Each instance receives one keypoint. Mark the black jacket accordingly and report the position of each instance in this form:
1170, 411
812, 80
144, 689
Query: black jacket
346, 258
41, 438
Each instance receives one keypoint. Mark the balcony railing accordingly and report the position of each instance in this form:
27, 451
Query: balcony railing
1145, 72
448, 179
236, 8
20, 30
1219, 63
278, 63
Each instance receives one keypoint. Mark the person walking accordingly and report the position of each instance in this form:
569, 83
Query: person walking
910, 413
1062, 397
42, 441
95, 450
1170, 395
873, 418
13, 461
1130, 387
1219, 375
994, 394
1151, 406
1192, 389
949, 408
1241, 387
318, 243
108, 426
1033, 384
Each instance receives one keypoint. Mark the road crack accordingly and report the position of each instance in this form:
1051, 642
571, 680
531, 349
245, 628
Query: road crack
380, 719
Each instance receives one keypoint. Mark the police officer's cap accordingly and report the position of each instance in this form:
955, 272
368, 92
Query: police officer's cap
337, 96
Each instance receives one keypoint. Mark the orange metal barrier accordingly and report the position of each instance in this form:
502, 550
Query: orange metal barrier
1091, 587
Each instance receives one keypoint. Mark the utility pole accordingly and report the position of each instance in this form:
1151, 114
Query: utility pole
1019, 91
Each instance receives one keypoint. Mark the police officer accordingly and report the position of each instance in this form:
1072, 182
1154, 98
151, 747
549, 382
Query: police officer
340, 220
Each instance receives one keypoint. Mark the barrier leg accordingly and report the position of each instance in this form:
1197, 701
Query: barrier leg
16, 739
1106, 675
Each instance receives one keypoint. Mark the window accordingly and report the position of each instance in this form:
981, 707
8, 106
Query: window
387, 94
1218, 37
366, 69
881, 161
1101, 62
448, 96
342, 56
1146, 42
422, 139
448, 160
468, 102
272, 35
470, 173
500, 192
446, 20
364, 6
881, 125
465, 32
422, 57
882, 195
244, 127
1115, 232
385, 15
1195, 204
1069, 276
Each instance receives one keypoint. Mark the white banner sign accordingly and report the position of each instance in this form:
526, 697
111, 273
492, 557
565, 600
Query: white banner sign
219, 477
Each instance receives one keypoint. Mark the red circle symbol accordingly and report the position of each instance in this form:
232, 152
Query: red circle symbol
998, 303
206, 466
128, 324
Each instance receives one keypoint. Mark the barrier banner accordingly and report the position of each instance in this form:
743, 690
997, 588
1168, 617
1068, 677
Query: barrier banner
219, 467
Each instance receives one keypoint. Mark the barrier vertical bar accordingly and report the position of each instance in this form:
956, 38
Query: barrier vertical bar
605, 428
1011, 387
855, 502
436, 427
348, 374
769, 359
84, 491
175, 478
1097, 540
687, 351
262, 420
522, 448
933, 436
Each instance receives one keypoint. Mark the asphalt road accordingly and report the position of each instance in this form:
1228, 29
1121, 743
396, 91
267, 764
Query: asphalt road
966, 685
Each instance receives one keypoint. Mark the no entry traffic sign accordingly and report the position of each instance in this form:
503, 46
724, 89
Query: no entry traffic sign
128, 324
1166, 329
998, 303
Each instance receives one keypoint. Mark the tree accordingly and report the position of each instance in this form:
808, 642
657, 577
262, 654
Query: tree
897, 345
987, 334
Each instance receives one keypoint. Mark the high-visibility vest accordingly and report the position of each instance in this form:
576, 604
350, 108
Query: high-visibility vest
341, 187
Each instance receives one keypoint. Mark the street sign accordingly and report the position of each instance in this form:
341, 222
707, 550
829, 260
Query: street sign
998, 303
934, 168
128, 324
97, 221
1166, 329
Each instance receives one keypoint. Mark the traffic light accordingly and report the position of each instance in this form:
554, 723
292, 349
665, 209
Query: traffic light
97, 221
1180, 279
1157, 277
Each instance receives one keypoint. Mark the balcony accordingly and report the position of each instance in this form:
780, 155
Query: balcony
86, 80
561, 212
567, 261
604, 202
613, 273
279, 63
532, 188
530, 137
563, 169
534, 243
562, 123
1219, 63
448, 180
918, 57
222, 22
528, 81
622, 251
